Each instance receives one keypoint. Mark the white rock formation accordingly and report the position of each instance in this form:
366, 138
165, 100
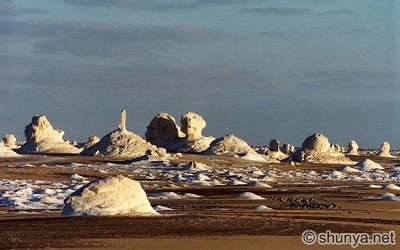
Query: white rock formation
115, 195
164, 132
384, 150
163, 129
368, 165
90, 142
41, 137
122, 143
316, 148
274, 152
230, 145
353, 148
288, 149
6, 151
192, 125
10, 141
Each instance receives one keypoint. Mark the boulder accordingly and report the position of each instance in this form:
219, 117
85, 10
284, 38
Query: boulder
274, 152
192, 125
10, 141
230, 145
41, 137
384, 150
163, 129
288, 149
317, 148
115, 195
121, 143
353, 148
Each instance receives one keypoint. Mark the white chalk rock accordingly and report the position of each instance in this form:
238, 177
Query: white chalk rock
353, 148
274, 151
122, 143
90, 142
368, 165
115, 195
41, 137
192, 125
384, 150
316, 143
10, 141
230, 145
163, 129
6, 151
316, 148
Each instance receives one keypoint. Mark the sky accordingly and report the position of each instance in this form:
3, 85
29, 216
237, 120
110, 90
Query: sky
258, 69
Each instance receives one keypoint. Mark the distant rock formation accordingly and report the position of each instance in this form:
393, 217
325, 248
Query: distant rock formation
288, 149
6, 152
274, 152
123, 143
114, 195
163, 129
353, 148
10, 141
230, 145
192, 125
316, 148
164, 132
90, 142
384, 150
41, 137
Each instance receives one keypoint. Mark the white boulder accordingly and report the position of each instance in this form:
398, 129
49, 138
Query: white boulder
115, 195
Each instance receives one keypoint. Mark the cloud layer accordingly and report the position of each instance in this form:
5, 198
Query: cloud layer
106, 40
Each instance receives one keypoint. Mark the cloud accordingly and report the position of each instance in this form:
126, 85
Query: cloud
282, 11
157, 77
106, 40
7, 9
157, 5
337, 12
349, 79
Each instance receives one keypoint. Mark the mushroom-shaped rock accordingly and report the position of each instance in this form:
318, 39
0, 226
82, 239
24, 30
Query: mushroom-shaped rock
192, 125
6, 151
317, 143
163, 132
316, 148
90, 142
230, 145
163, 129
115, 195
384, 150
121, 143
274, 152
41, 137
10, 141
353, 148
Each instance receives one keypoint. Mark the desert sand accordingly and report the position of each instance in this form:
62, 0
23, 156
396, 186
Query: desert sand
198, 210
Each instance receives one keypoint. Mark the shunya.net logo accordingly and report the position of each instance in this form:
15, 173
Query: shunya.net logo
310, 237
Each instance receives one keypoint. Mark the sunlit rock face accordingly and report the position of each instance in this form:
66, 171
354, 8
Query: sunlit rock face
317, 148
41, 137
114, 195
352, 148
164, 132
384, 150
122, 143
10, 141
163, 129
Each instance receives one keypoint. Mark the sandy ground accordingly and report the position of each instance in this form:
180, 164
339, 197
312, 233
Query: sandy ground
218, 222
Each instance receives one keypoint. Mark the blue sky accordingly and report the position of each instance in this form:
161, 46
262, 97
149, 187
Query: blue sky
257, 69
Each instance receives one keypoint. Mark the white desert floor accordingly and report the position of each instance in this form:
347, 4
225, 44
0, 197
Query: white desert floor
224, 187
